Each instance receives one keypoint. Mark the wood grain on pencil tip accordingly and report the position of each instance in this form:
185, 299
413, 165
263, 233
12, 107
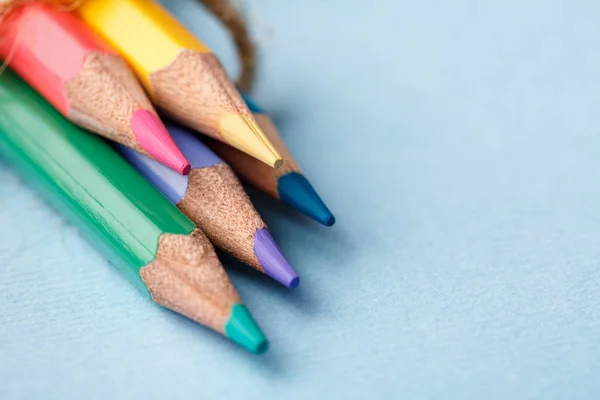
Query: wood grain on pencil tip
87, 81
138, 230
185, 79
212, 196
186, 276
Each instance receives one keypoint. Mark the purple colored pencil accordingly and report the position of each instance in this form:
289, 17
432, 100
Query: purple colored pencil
213, 198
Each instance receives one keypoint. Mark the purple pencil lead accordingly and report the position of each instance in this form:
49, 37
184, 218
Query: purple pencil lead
272, 260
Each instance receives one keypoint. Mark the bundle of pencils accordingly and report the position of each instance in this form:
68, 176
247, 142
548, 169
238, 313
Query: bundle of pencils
105, 67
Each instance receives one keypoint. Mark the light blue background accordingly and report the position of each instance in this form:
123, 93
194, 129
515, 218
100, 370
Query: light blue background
458, 144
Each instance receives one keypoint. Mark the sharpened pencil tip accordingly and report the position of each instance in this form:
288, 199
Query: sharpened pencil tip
294, 283
153, 136
243, 329
295, 190
242, 132
272, 260
186, 169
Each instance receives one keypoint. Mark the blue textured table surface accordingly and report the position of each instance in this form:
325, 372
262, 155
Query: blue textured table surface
458, 144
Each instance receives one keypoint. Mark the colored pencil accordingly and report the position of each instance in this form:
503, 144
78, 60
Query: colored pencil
147, 238
214, 199
287, 183
184, 78
83, 78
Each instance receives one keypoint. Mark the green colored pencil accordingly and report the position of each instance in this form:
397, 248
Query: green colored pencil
146, 237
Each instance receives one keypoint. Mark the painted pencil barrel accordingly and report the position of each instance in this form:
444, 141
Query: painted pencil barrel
122, 22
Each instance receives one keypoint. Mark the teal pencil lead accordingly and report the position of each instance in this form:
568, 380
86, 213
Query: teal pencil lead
295, 190
242, 329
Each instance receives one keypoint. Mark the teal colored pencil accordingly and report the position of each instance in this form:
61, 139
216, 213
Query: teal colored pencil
145, 236
287, 183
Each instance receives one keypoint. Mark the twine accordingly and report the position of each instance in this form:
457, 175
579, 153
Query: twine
223, 10
232, 19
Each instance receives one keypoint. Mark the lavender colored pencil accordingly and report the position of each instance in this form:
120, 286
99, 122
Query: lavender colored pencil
213, 198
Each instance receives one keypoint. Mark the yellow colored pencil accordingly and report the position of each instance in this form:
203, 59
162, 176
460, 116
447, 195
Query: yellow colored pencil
184, 78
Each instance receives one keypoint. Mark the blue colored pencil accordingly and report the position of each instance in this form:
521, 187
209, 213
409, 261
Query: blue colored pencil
287, 183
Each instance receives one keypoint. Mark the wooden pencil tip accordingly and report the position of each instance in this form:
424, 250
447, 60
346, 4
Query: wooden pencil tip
187, 277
